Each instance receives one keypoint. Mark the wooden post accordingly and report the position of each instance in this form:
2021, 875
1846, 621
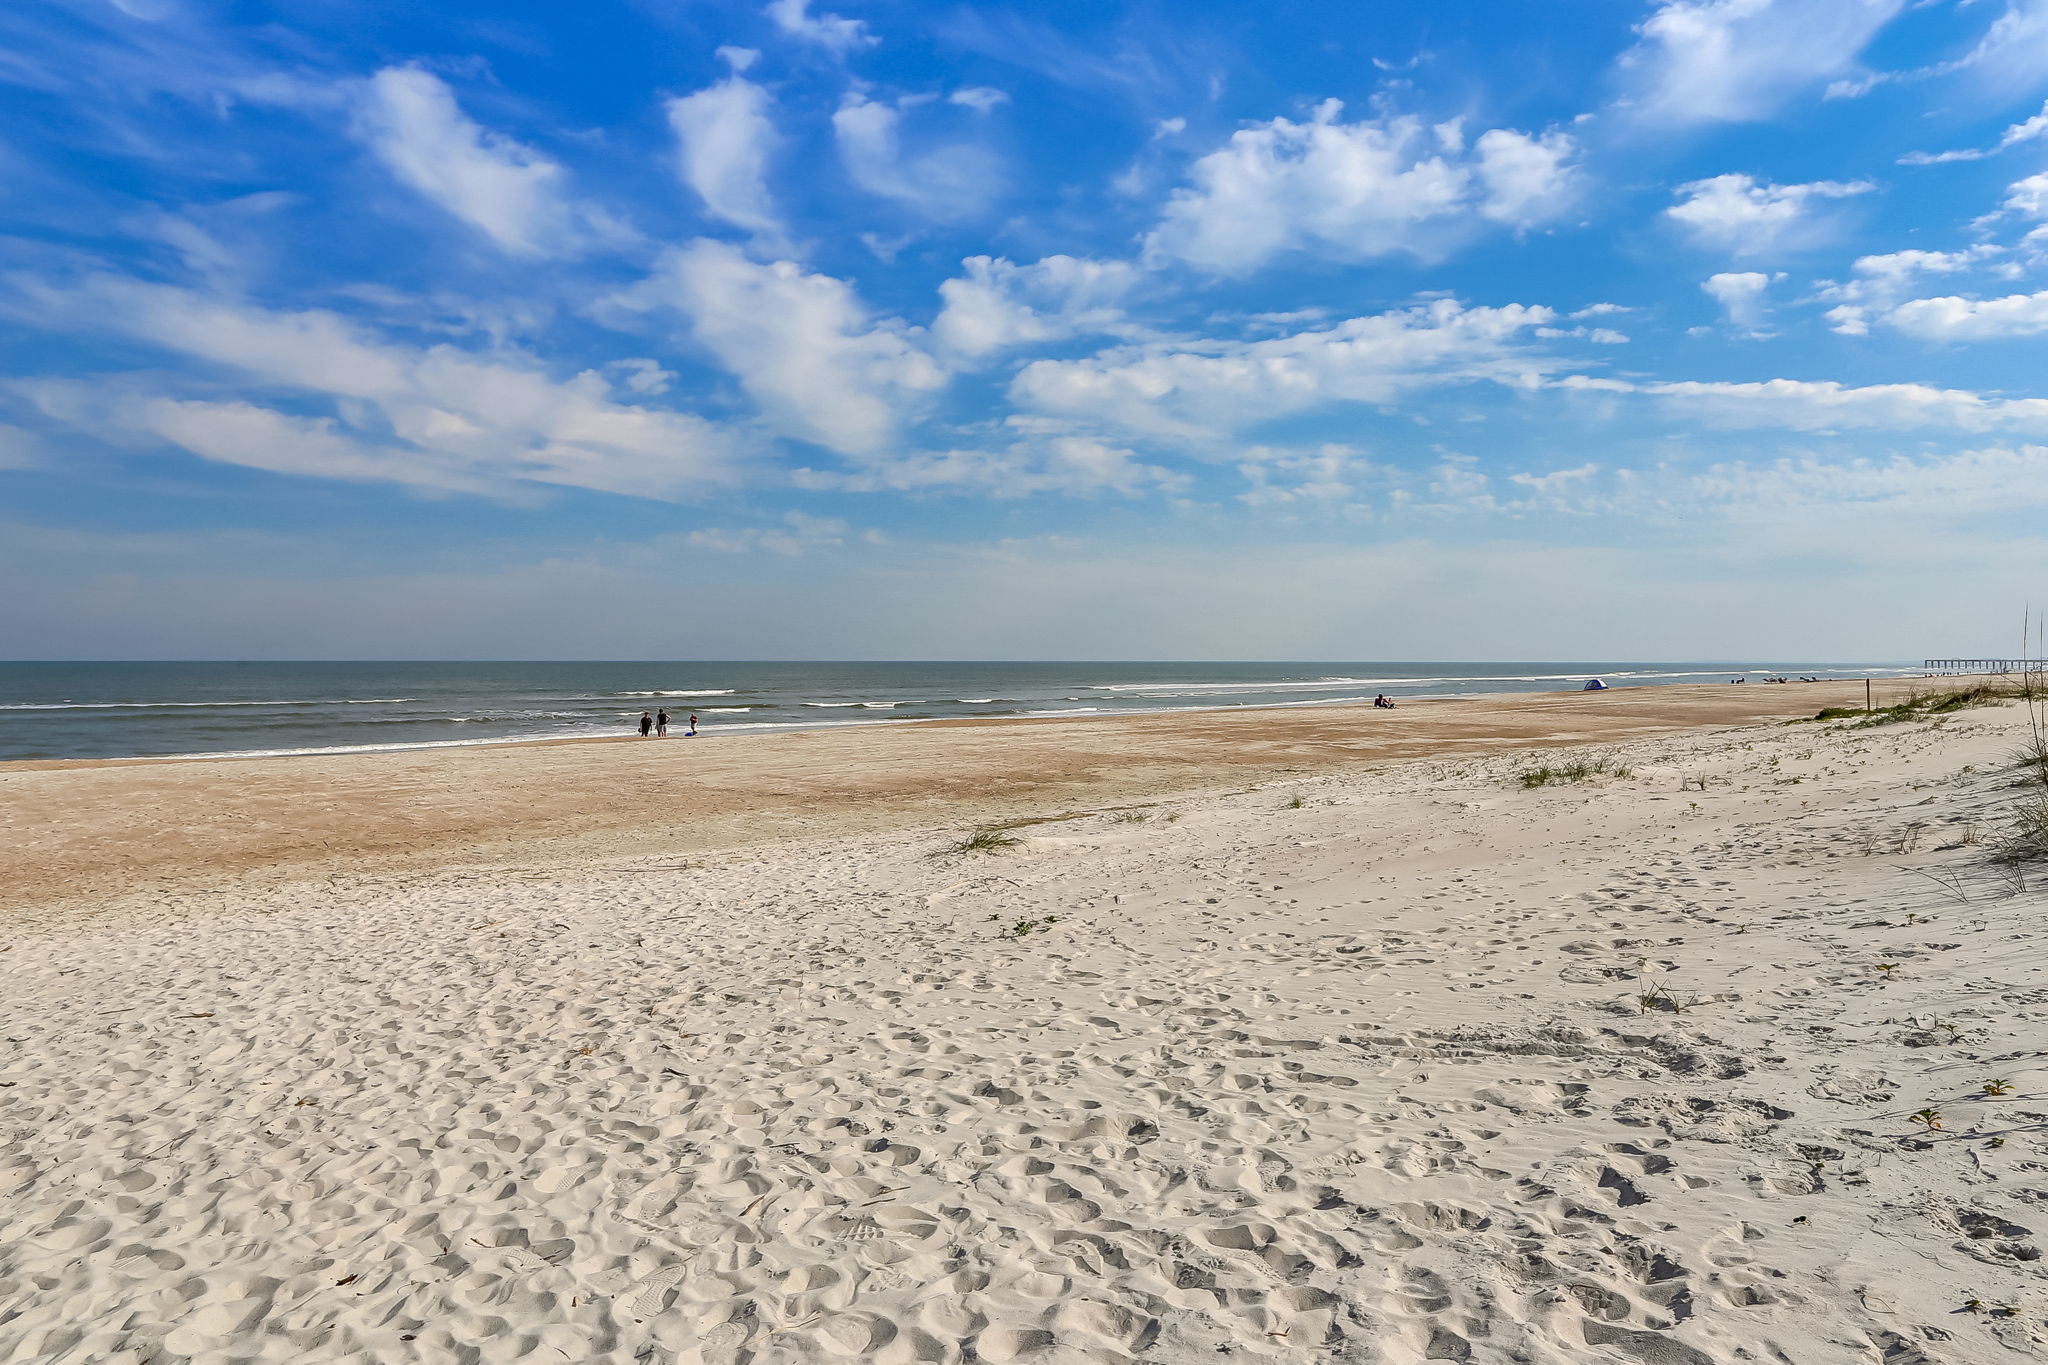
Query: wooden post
1866, 694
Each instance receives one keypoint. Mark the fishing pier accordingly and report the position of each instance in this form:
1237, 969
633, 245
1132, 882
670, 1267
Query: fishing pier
1985, 665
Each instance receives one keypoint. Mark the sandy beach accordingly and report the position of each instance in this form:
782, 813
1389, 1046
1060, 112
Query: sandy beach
86, 830
1307, 1035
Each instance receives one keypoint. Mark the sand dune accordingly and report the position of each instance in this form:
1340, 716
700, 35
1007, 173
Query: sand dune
1364, 1078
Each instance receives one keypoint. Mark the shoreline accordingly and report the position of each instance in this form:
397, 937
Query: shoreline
87, 829
772, 729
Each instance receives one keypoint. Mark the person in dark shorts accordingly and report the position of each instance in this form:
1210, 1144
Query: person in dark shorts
646, 724
661, 724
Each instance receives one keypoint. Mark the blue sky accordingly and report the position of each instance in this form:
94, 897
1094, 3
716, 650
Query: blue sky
888, 329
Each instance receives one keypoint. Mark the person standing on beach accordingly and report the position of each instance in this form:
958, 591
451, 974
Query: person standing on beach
646, 724
693, 724
661, 724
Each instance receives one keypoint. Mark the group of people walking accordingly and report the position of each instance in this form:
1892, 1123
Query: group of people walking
656, 725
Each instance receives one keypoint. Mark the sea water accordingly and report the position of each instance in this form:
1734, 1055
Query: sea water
114, 710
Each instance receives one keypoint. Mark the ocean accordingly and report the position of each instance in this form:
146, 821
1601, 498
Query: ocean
122, 710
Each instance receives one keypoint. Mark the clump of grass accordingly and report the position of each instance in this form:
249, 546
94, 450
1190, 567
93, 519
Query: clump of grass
1296, 804
1576, 771
1659, 997
1129, 817
981, 841
1024, 928
2025, 840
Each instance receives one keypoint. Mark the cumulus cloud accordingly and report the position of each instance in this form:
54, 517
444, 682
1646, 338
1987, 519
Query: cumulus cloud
820, 367
1525, 179
998, 304
436, 416
827, 30
724, 139
1959, 319
947, 182
1202, 391
507, 191
2027, 198
1879, 282
1744, 216
1375, 187
1741, 296
1734, 61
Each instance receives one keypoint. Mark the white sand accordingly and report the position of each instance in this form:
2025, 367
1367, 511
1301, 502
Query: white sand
1364, 1080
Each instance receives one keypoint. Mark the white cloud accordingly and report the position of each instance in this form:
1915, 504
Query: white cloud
1741, 296
1330, 474
1203, 391
436, 416
946, 182
1959, 319
1035, 462
638, 374
1375, 187
980, 98
827, 30
2027, 198
724, 139
508, 192
1879, 282
998, 304
1526, 179
1733, 61
1738, 214
1825, 405
801, 344
1972, 482
254, 437
2012, 53
2025, 131
1599, 336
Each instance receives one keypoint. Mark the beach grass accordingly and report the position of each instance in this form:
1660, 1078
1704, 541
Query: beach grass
1926, 705
981, 841
1563, 774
